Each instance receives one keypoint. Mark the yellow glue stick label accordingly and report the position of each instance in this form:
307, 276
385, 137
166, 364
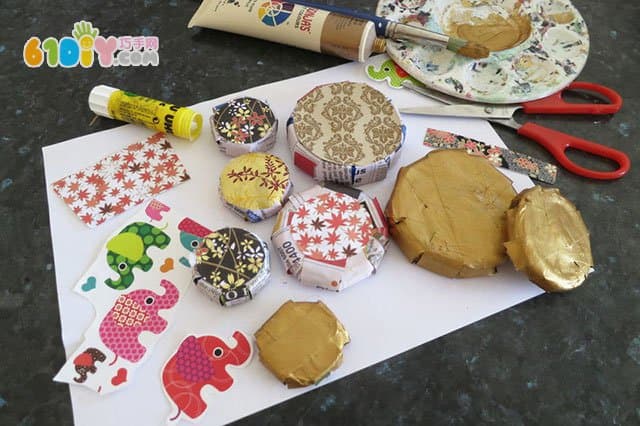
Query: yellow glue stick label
157, 115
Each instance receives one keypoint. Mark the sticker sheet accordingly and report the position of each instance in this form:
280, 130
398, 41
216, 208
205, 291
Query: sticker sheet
135, 285
122, 180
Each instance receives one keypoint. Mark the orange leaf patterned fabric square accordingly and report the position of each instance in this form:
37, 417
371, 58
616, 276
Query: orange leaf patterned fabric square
122, 180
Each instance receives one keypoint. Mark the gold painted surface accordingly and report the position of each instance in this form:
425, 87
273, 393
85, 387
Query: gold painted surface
495, 31
474, 50
254, 181
447, 213
562, 17
301, 343
347, 123
548, 240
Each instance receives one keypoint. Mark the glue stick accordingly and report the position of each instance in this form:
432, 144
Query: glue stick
156, 115
287, 23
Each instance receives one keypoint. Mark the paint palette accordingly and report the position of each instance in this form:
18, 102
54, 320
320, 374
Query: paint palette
540, 46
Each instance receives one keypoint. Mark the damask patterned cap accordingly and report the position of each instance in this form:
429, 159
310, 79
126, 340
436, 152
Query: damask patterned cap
331, 238
244, 125
255, 185
345, 132
232, 265
447, 213
548, 239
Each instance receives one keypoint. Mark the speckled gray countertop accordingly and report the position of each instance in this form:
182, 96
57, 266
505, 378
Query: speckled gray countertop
571, 359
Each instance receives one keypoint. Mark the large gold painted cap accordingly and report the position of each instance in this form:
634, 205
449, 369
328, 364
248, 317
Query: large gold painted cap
301, 343
447, 213
548, 240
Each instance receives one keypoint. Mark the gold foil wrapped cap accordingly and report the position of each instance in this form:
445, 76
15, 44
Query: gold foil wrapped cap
447, 213
301, 343
255, 185
548, 240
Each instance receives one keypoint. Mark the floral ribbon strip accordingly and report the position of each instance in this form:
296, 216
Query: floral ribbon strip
499, 157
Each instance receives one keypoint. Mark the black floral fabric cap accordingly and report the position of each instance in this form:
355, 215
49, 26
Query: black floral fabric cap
232, 265
243, 120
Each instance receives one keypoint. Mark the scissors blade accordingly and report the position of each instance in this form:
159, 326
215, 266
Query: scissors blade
457, 107
459, 111
430, 93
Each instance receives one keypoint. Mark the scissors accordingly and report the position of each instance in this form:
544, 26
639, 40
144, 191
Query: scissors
553, 141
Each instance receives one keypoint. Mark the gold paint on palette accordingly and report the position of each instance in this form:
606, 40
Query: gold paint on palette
474, 50
301, 343
548, 240
562, 17
447, 213
496, 31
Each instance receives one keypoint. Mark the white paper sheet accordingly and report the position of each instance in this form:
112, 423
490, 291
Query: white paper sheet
384, 315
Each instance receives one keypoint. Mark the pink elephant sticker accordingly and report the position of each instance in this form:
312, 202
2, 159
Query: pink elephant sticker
199, 362
132, 314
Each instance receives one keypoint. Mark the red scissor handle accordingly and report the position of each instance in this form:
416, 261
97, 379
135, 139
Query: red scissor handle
554, 104
557, 144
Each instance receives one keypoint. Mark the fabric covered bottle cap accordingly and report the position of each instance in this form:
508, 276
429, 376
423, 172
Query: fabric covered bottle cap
232, 265
244, 125
331, 238
346, 132
255, 185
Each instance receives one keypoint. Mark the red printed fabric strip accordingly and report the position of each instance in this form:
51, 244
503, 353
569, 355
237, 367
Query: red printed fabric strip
499, 157
122, 180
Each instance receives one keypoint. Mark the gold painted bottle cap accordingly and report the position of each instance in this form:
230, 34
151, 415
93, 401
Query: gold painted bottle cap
548, 240
447, 213
301, 343
255, 185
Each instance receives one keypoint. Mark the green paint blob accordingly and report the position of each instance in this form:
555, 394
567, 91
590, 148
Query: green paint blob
160, 239
148, 240
155, 231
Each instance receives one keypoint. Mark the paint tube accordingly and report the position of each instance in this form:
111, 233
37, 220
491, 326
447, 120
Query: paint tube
292, 24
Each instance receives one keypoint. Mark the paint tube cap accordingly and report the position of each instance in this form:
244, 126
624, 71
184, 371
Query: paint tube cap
255, 185
99, 100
